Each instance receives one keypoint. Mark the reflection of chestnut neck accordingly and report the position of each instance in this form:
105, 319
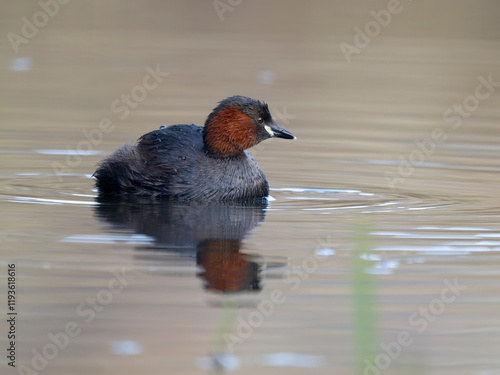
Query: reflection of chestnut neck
225, 268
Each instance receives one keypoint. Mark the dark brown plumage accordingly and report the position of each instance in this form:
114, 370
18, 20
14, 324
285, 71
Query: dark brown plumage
188, 162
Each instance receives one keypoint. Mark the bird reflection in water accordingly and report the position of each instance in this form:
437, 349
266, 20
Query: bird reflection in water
211, 233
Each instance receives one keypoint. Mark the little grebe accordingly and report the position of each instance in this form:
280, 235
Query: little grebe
189, 162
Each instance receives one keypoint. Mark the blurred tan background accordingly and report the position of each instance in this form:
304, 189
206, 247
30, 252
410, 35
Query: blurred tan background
356, 123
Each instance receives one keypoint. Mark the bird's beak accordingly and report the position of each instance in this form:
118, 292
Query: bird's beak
277, 131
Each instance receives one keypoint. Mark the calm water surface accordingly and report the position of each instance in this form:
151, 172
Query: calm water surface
382, 153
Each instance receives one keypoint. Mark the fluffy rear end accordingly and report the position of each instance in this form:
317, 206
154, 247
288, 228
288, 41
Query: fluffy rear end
119, 173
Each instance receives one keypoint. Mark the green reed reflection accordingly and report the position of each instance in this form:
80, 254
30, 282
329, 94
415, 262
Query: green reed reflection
364, 305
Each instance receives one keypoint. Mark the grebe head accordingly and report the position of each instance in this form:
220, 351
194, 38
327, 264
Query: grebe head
238, 123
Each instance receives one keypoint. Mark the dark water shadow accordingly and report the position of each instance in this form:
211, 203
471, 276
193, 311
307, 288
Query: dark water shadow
209, 233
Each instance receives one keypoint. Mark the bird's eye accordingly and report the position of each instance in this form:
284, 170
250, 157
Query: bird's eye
260, 120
